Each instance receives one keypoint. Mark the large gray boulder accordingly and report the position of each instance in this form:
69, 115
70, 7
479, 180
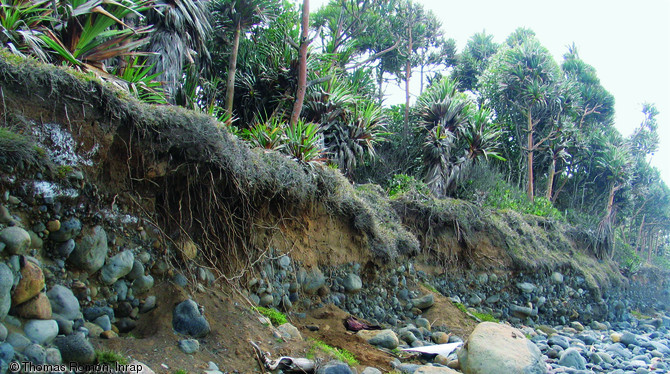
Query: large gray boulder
75, 348
500, 349
91, 250
64, 303
311, 280
352, 283
572, 358
16, 239
382, 338
41, 331
424, 302
6, 283
187, 319
117, 267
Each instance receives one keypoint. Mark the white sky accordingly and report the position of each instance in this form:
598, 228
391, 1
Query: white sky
627, 42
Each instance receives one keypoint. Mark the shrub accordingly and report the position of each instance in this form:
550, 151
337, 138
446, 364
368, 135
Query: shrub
402, 183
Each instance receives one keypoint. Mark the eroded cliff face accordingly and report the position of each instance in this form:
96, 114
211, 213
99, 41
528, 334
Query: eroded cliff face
203, 198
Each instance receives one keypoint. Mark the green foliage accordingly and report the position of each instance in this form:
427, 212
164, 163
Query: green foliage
180, 371
276, 317
110, 357
339, 353
402, 183
637, 314
268, 135
430, 287
62, 171
19, 21
303, 142
487, 187
484, 317
624, 254
141, 82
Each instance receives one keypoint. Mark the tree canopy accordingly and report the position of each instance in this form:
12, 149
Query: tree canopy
503, 124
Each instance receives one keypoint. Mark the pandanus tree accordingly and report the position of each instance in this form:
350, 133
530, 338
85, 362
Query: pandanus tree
525, 86
457, 135
237, 16
181, 30
614, 163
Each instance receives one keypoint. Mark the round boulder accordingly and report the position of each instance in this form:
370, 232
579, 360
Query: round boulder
75, 348
117, 267
188, 319
30, 284
16, 239
501, 349
91, 249
38, 307
67, 230
41, 331
64, 302
352, 283
6, 283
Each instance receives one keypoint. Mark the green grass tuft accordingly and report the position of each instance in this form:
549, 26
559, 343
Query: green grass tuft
339, 353
276, 317
430, 287
110, 357
180, 371
484, 317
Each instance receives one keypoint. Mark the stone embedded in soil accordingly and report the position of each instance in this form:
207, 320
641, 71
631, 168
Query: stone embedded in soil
125, 325
189, 346
30, 284
117, 267
424, 302
64, 302
16, 239
41, 331
289, 332
148, 304
53, 356
188, 249
35, 354
352, 283
68, 230
187, 319
334, 367
383, 338
312, 280
91, 250
75, 348
6, 283
38, 307
142, 284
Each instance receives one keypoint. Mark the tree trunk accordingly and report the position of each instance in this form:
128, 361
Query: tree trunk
380, 82
550, 178
421, 75
610, 199
302, 64
232, 67
531, 195
408, 74
639, 234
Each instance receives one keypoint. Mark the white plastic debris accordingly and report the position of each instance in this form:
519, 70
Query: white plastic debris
438, 349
